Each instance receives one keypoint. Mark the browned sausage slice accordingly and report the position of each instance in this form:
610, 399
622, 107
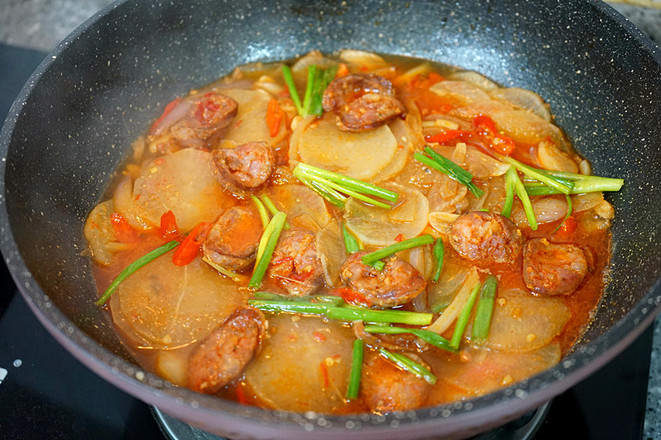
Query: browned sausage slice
223, 355
486, 238
362, 101
246, 168
553, 269
233, 240
208, 115
386, 388
398, 282
295, 264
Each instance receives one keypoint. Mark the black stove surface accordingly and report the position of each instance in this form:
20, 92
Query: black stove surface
47, 394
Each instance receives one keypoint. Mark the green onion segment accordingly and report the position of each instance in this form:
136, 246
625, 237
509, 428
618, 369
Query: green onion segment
430, 337
464, 316
408, 364
351, 243
342, 312
335, 187
376, 256
137, 264
356, 369
263, 213
484, 311
317, 81
446, 166
438, 252
266, 246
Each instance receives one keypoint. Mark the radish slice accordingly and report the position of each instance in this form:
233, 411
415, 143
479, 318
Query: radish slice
304, 208
331, 252
166, 306
304, 363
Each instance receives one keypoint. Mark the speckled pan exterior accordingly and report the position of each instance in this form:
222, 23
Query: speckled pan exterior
76, 117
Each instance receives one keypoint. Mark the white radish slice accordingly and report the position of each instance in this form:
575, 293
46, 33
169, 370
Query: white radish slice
525, 127
100, 234
477, 79
360, 58
166, 306
583, 202
304, 208
524, 99
522, 322
379, 226
480, 371
249, 125
486, 108
358, 155
173, 365
304, 364
300, 68
331, 252
183, 182
463, 92
125, 203
453, 276
483, 166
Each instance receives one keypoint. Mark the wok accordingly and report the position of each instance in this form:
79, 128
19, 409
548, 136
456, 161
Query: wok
74, 121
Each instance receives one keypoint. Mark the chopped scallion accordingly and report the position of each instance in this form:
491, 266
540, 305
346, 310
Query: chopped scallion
484, 311
525, 201
438, 252
408, 364
446, 166
266, 200
430, 337
289, 80
266, 246
373, 257
561, 185
351, 243
356, 369
510, 178
464, 316
263, 213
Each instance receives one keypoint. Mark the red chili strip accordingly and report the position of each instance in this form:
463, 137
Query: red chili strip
190, 247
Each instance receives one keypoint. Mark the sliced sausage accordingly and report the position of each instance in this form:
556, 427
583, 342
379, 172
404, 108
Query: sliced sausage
246, 168
233, 240
486, 238
553, 269
224, 354
295, 264
386, 388
207, 116
362, 101
398, 282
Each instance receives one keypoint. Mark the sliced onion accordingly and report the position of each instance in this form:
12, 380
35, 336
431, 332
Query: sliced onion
488, 107
173, 116
331, 252
442, 221
583, 202
552, 158
452, 311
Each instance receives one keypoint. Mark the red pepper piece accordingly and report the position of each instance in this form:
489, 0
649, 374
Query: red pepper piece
500, 143
122, 228
169, 228
274, 115
399, 238
351, 296
190, 247
446, 136
568, 226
